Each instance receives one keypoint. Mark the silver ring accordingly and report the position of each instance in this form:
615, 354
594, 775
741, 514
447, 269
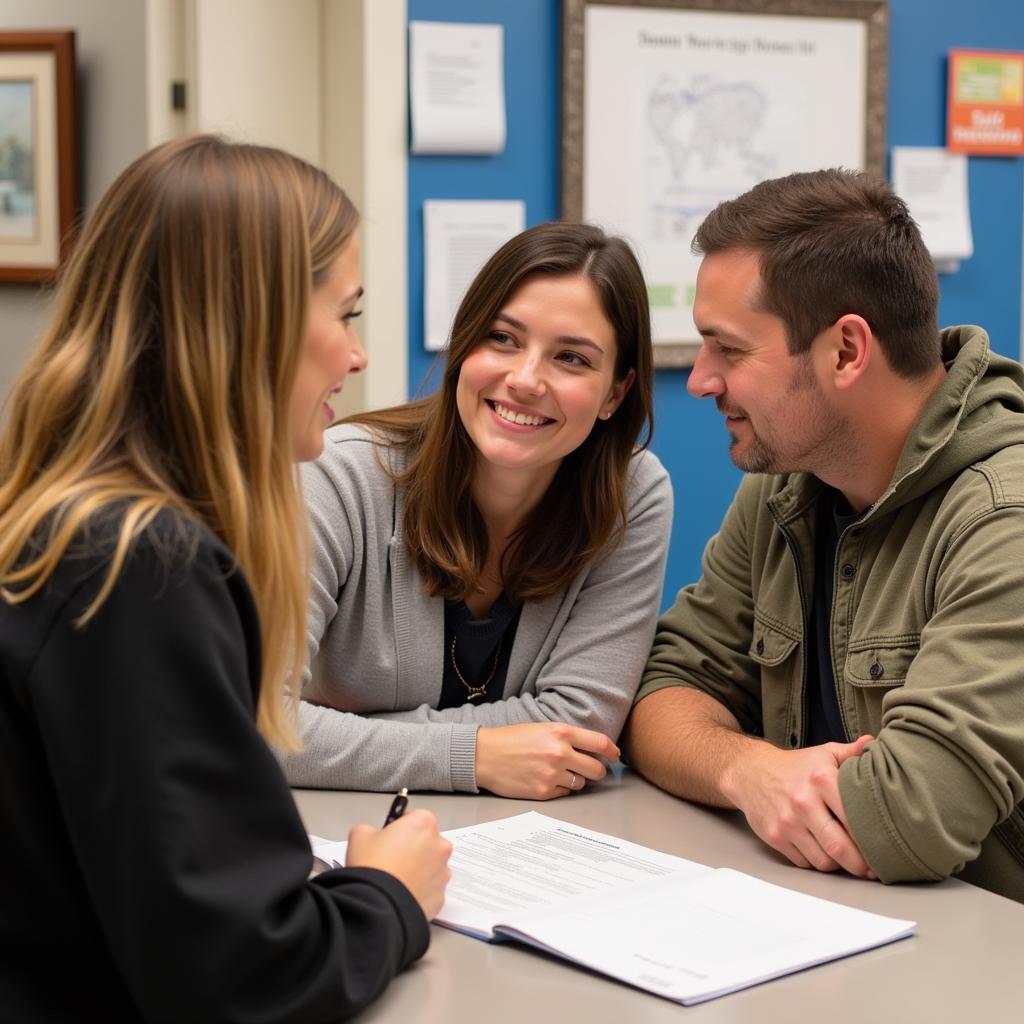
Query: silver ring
572, 781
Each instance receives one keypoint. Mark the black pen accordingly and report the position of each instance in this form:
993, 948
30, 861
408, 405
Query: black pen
398, 806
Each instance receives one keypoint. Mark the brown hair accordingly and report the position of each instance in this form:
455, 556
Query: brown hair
586, 503
833, 242
164, 379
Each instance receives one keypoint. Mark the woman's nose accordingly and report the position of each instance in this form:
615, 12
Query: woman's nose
525, 375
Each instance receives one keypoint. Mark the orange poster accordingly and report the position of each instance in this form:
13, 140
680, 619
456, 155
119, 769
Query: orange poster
986, 102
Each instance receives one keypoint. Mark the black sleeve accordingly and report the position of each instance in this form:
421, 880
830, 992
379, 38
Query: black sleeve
182, 825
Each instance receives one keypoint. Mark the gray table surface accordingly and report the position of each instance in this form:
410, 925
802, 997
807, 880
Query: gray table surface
965, 962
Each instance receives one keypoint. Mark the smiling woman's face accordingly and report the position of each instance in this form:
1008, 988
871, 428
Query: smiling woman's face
332, 351
531, 390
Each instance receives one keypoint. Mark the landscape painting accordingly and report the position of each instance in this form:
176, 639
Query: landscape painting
17, 161
38, 154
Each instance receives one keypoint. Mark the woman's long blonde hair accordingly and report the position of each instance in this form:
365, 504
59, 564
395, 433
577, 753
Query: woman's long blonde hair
164, 380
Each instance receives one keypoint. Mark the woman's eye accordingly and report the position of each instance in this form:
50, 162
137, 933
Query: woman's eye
573, 359
352, 315
501, 337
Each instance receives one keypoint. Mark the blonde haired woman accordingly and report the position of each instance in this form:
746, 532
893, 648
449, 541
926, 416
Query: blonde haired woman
153, 600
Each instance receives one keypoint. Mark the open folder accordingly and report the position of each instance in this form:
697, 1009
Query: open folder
660, 923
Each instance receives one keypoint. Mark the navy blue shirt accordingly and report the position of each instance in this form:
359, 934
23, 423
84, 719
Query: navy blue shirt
824, 720
481, 652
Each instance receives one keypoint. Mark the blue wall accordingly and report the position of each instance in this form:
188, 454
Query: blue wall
527, 169
689, 436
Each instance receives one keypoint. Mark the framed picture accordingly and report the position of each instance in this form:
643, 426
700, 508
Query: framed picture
671, 106
38, 159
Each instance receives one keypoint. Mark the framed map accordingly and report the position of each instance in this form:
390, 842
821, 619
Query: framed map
671, 106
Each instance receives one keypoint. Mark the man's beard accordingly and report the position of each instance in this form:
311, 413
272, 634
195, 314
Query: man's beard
759, 456
762, 456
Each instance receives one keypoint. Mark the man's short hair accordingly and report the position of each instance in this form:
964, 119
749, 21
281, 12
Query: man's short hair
833, 242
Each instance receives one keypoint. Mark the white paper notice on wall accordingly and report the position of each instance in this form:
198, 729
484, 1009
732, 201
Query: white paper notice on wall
457, 87
458, 239
933, 183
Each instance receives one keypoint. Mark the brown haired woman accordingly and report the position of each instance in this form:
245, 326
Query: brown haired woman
152, 599
488, 561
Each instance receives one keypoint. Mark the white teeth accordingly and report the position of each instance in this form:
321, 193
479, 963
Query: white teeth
518, 417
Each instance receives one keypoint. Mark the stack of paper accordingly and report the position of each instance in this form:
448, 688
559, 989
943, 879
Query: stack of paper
663, 924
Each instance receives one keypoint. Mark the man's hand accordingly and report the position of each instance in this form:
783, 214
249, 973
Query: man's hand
791, 800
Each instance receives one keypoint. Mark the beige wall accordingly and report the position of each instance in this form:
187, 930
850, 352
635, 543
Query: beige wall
322, 78
110, 51
257, 72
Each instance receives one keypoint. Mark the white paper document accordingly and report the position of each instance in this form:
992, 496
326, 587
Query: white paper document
327, 852
456, 87
458, 239
933, 183
532, 862
666, 925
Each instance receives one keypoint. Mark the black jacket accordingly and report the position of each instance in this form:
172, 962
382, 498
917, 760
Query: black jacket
152, 863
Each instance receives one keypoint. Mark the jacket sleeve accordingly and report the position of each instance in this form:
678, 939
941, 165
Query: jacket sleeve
948, 762
183, 828
703, 640
594, 668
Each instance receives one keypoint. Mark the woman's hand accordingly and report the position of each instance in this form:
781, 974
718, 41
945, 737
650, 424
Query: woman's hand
540, 760
412, 850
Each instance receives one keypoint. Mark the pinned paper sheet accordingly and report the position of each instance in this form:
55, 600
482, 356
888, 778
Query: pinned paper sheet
933, 183
457, 87
458, 239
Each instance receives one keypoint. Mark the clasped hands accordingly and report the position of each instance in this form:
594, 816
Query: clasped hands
791, 800
540, 760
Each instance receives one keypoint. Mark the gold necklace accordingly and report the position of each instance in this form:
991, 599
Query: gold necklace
475, 692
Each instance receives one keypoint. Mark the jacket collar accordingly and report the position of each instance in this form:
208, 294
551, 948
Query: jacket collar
967, 357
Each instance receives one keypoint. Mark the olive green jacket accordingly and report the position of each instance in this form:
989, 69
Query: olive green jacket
927, 631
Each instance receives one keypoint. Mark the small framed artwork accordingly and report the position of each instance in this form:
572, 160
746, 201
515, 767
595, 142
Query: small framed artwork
670, 107
38, 153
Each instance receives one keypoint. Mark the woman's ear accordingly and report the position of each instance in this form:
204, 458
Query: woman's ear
617, 394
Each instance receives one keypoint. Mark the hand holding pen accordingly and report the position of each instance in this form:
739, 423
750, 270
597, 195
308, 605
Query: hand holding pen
409, 847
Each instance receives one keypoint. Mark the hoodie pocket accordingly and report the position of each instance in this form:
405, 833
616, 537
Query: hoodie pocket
775, 648
881, 663
770, 645
873, 669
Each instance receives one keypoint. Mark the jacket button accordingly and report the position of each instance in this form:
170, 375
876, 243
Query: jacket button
848, 571
759, 646
793, 739
876, 670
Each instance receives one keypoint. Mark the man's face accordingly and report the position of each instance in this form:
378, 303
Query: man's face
778, 416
